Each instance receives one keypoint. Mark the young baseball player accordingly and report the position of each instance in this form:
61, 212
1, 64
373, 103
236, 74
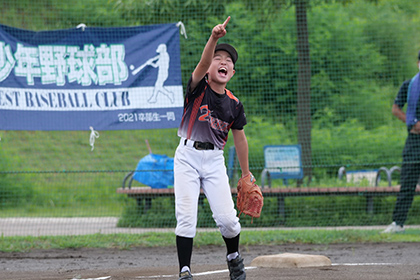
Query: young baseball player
210, 111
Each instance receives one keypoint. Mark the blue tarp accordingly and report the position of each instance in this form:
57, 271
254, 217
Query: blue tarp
158, 171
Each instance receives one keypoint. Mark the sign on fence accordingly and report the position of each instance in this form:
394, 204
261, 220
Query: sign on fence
105, 78
284, 160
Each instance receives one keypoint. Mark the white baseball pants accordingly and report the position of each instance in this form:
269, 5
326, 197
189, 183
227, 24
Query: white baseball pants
206, 169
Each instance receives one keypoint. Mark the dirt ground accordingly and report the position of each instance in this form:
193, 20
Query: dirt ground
350, 261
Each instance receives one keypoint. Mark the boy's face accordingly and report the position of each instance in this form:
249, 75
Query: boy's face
221, 69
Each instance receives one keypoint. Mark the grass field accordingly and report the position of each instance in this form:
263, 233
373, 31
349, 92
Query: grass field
55, 173
70, 150
253, 237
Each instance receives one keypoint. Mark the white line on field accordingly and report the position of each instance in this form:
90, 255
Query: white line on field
156, 276
219, 271
99, 278
356, 264
194, 274
225, 271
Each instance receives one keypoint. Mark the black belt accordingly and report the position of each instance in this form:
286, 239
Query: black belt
201, 145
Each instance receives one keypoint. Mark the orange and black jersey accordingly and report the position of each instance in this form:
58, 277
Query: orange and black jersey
208, 116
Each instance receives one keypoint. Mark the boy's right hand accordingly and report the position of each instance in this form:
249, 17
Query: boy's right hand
220, 30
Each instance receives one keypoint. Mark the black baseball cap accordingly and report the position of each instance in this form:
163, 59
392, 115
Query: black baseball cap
419, 55
229, 49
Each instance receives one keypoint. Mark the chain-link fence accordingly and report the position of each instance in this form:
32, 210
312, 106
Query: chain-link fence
317, 79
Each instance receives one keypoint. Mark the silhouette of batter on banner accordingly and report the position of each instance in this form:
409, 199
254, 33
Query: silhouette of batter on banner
161, 61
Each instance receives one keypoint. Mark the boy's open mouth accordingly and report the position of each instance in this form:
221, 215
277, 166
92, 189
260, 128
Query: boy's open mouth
223, 71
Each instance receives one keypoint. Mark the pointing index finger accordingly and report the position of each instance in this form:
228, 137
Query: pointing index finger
226, 21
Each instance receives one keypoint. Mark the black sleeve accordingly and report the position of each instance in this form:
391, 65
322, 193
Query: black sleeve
199, 88
240, 121
401, 98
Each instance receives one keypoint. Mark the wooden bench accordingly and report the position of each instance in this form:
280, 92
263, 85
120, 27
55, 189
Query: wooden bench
147, 194
368, 192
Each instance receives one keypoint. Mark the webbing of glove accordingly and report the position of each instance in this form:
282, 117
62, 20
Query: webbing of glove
250, 199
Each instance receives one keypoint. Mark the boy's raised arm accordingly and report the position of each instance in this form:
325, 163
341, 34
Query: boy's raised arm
207, 56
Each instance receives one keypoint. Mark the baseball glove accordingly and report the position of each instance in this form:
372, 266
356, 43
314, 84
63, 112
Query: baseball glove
250, 199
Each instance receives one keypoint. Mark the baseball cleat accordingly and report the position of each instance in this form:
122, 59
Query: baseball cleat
394, 228
186, 275
237, 268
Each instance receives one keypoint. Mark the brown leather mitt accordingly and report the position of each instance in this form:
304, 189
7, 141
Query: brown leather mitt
250, 199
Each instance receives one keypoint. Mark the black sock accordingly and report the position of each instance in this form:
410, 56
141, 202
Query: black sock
232, 244
184, 246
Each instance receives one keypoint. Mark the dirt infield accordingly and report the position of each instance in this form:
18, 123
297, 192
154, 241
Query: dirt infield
350, 261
